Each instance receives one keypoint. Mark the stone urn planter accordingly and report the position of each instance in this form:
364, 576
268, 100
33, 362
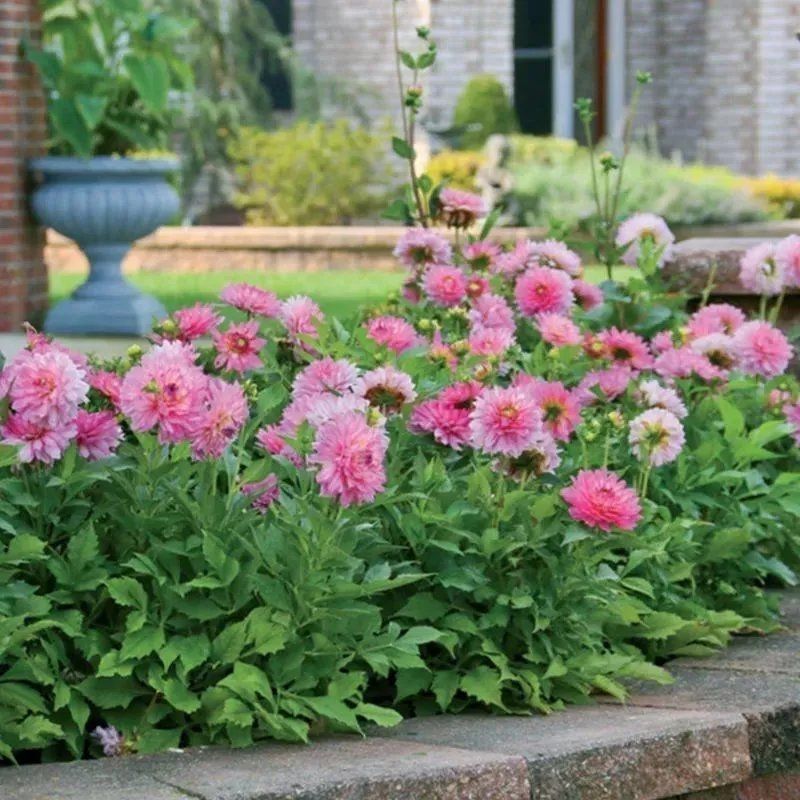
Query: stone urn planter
104, 205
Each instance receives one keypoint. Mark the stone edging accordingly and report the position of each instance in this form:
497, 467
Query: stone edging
727, 729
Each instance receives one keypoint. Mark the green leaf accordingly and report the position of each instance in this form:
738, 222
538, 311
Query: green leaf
150, 77
70, 125
127, 592
385, 717
485, 685
141, 643
23, 547
408, 60
227, 647
445, 684
423, 607
91, 108
179, 696
411, 682
334, 710
110, 692
157, 740
403, 148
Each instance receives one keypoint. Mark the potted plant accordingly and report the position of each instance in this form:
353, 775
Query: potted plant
108, 67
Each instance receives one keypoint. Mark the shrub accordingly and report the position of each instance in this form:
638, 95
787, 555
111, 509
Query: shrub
482, 109
458, 168
311, 174
781, 194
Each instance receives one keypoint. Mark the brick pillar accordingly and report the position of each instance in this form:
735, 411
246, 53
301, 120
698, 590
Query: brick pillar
23, 275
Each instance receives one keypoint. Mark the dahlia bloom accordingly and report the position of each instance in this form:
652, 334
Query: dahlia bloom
612, 382
197, 321
626, 348
98, 434
558, 330
505, 421
654, 395
460, 209
264, 493
325, 376
37, 441
350, 455
444, 285
477, 285
38, 342
386, 388
225, 411
540, 457
300, 316
542, 289
683, 362
107, 383
441, 352
662, 342
392, 332
556, 255
238, 347
446, 422
251, 299
513, 262
411, 293
490, 341
600, 499
716, 318
793, 418
761, 349
45, 387
324, 407
634, 230
462, 395
787, 255
271, 439
561, 410
718, 348
760, 271
420, 247
481, 256
656, 435
587, 295
491, 311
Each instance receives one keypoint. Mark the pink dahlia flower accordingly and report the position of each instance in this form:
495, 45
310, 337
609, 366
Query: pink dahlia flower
477, 286
197, 321
482, 256
793, 418
760, 272
323, 408
656, 435
558, 330
448, 424
462, 395
444, 285
460, 209
640, 227
505, 421
38, 342
350, 456
683, 362
556, 255
393, 332
787, 255
419, 248
107, 383
224, 412
718, 348
761, 349
513, 262
300, 316
662, 342
325, 376
654, 395
45, 387
600, 499
716, 318
98, 434
612, 382
251, 299
238, 347
490, 341
264, 493
541, 290
587, 295
37, 441
386, 388
625, 348
492, 311
561, 410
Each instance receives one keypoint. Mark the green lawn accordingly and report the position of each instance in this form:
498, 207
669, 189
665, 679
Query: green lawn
339, 293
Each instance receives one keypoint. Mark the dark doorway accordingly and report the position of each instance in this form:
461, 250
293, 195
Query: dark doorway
533, 65
276, 76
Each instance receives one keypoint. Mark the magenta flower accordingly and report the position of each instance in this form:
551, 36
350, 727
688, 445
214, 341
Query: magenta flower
444, 285
419, 248
558, 330
481, 255
541, 289
793, 418
238, 347
197, 321
600, 499
490, 341
264, 493
392, 332
762, 349
716, 318
561, 410
587, 295
107, 383
37, 441
251, 299
656, 435
460, 209
625, 348
98, 434
300, 316
222, 416
448, 424
505, 421
491, 311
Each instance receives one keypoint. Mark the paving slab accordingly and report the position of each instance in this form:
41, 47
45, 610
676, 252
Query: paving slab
769, 702
603, 752
790, 610
346, 768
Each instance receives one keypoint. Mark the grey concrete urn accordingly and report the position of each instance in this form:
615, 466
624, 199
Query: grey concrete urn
104, 204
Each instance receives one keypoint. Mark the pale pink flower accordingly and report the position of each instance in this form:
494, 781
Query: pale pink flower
558, 330
683, 362
221, 418
264, 493
393, 332
197, 321
482, 255
587, 295
662, 342
420, 247
238, 347
640, 227
601, 499
490, 341
652, 394
612, 382
492, 311
460, 209
505, 421
300, 316
386, 388
251, 299
556, 255
323, 408
656, 435
107, 383
350, 455
513, 262
38, 342
542, 289
45, 387
793, 418
444, 285
36, 440
625, 348
760, 272
561, 410
718, 348
325, 376
448, 424
761, 349
271, 438
787, 255
98, 434
716, 318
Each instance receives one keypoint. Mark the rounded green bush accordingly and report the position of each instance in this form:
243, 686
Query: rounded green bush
483, 108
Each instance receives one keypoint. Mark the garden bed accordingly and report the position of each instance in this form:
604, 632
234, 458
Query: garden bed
729, 728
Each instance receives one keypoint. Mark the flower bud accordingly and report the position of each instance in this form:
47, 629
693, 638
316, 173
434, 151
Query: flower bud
134, 352
616, 419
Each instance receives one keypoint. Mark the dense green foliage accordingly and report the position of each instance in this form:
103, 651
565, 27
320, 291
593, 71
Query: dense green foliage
482, 109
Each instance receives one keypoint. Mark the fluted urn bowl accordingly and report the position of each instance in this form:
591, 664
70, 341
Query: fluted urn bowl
104, 205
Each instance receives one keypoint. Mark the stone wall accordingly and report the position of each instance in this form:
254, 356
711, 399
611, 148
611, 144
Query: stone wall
23, 279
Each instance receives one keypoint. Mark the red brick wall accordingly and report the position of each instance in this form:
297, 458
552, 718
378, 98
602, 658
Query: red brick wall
23, 276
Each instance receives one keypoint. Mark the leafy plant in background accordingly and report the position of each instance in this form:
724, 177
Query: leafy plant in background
482, 109
456, 168
108, 67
